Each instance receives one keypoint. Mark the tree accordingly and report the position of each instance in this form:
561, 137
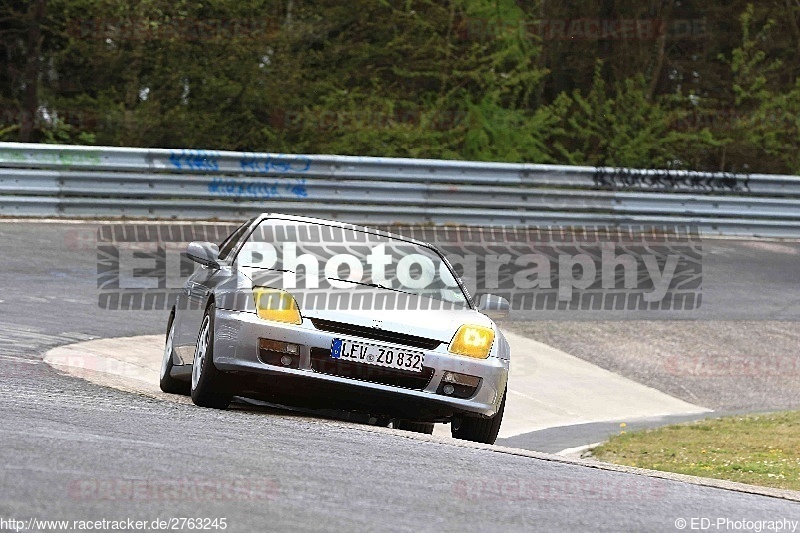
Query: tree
659, 83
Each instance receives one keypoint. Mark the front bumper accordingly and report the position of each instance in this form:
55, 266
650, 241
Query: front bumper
236, 352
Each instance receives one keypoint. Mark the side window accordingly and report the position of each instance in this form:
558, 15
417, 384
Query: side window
229, 244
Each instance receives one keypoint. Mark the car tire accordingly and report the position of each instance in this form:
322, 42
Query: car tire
167, 383
480, 429
207, 386
416, 427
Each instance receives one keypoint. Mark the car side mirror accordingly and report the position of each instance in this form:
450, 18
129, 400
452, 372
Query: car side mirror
494, 306
205, 253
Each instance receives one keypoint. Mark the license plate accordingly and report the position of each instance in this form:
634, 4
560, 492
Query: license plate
372, 354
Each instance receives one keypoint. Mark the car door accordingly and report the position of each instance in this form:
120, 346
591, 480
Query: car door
196, 292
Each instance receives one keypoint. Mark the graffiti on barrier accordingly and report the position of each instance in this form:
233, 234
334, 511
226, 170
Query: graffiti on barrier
278, 163
262, 189
50, 157
195, 160
624, 178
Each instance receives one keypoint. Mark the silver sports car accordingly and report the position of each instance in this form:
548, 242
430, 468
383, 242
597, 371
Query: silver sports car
320, 314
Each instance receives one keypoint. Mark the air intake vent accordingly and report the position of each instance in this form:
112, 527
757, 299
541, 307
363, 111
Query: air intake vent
376, 334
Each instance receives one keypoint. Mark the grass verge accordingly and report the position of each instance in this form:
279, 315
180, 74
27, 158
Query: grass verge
756, 449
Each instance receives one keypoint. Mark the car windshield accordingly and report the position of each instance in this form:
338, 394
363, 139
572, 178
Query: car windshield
316, 256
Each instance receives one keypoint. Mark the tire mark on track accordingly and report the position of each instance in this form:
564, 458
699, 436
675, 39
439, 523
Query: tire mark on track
17, 340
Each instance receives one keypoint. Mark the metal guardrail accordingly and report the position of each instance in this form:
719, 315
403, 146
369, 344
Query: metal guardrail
73, 181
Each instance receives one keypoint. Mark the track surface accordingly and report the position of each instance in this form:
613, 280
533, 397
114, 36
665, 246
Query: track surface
73, 450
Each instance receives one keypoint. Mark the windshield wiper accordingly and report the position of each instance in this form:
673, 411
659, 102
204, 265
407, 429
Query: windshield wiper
376, 285
270, 268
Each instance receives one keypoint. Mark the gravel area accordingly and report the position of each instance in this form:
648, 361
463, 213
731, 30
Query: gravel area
722, 365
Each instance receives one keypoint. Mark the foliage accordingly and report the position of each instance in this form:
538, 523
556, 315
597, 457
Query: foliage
619, 127
756, 449
469, 79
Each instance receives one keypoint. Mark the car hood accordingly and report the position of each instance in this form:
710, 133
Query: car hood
416, 316
432, 324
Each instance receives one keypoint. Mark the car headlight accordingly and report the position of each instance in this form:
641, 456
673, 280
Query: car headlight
276, 305
472, 341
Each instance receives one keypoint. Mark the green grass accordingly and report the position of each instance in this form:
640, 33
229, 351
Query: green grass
757, 449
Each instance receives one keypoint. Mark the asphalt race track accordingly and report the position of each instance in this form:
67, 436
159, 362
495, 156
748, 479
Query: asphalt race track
76, 451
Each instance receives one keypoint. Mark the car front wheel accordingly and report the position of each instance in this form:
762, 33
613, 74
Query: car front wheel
480, 429
207, 382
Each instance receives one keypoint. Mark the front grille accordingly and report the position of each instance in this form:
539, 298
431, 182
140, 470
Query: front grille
376, 334
322, 362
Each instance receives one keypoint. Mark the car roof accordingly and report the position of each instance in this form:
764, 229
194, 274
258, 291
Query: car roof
338, 224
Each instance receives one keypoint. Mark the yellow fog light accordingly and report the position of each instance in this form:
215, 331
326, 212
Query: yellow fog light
276, 305
472, 341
